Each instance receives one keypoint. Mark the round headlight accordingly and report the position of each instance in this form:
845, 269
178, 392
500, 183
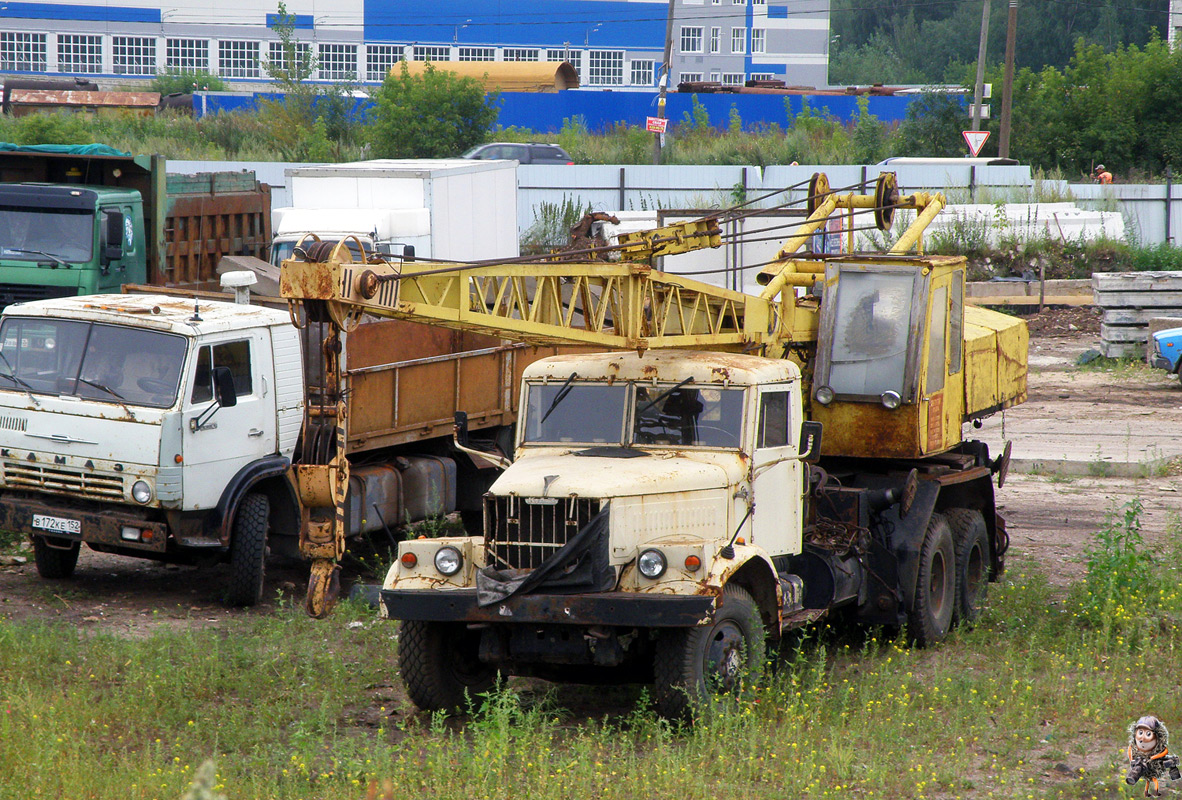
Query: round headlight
651, 564
890, 399
824, 395
448, 560
141, 492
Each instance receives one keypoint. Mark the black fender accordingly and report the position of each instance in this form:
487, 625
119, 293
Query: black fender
907, 535
273, 470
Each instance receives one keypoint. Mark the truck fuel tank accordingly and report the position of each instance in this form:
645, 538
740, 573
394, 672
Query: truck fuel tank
408, 489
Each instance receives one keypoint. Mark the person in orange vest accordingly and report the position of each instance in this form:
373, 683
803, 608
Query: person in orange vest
1102, 175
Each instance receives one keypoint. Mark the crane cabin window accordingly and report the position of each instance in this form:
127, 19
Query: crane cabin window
869, 350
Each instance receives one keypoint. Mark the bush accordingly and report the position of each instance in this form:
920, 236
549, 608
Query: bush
436, 114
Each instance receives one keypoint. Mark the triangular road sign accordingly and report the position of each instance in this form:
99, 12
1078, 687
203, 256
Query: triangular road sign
976, 140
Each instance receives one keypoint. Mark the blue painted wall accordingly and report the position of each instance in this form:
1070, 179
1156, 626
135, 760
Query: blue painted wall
544, 113
537, 23
104, 13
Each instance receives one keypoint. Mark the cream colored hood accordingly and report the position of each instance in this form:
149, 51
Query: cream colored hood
596, 476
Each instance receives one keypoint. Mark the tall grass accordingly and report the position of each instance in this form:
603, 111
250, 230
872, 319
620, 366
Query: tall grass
1032, 703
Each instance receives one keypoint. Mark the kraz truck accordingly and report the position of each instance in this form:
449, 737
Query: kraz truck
78, 220
673, 504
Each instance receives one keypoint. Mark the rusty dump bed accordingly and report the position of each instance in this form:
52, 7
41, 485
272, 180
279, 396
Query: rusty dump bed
407, 380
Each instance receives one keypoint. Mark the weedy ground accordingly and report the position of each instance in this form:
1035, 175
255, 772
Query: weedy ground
1032, 703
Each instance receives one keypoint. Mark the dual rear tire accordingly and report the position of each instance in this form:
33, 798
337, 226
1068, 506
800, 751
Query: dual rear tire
953, 575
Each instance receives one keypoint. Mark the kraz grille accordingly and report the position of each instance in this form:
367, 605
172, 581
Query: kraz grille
522, 532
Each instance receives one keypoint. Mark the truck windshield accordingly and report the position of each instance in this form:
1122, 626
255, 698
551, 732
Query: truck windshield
283, 250
36, 234
586, 413
106, 363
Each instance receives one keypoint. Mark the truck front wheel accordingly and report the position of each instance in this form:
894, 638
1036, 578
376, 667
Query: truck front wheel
248, 551
440, 665
693, 663
53, 560
930, 615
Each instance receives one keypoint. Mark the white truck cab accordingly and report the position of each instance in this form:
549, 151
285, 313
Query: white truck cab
139, 424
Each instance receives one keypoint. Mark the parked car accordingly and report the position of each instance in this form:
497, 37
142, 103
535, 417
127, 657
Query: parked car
1166, 350
524, 153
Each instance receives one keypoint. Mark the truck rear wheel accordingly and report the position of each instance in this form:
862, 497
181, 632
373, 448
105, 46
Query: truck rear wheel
930, 615
248, 551
693, 663
440, 665
971, 539
55, 561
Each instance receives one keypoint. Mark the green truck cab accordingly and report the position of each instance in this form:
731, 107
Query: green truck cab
89, 219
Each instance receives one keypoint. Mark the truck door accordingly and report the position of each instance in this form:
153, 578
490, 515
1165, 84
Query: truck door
776, 486
942, 399
232, 437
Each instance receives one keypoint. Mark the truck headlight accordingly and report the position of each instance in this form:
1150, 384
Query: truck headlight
651, 564
824, 395
890, 399
448, 560
141, 492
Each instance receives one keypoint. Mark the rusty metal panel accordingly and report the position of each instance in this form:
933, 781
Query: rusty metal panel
27, 101
870, 430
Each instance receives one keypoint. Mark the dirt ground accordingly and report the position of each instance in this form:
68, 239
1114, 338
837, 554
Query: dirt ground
1050, 518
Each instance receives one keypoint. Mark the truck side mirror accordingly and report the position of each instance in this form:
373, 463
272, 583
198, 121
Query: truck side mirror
223, 387
810, 441
408, 252
112, 249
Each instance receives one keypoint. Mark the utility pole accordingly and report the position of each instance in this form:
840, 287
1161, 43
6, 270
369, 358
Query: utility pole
664, 81
980, 87
1007, 88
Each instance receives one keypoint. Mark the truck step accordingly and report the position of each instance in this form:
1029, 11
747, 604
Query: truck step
801, 618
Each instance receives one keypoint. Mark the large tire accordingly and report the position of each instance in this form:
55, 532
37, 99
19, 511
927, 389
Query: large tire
930, 615
692, 663
440, 665
55, 563
248, 551
971, 539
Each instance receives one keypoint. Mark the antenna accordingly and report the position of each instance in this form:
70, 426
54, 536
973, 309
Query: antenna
196, 312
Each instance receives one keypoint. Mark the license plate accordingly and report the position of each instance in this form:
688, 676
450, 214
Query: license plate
57, 524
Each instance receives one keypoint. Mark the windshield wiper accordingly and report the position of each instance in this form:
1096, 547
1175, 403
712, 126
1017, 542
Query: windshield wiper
56, 259
663, 395
102, 387
16, 379
563, 391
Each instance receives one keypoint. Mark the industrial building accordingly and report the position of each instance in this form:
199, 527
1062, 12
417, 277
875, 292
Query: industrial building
613, 44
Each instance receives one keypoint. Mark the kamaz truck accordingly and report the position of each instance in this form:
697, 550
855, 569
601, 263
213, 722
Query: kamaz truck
78, 220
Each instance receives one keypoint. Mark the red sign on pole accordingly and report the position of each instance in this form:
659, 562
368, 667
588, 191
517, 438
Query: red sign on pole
976, 140
655, 124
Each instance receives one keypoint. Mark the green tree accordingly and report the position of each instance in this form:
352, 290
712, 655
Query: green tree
932, 127
171, 80
434, 114
869, 138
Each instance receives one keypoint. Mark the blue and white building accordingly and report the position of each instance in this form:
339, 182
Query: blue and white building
614, 44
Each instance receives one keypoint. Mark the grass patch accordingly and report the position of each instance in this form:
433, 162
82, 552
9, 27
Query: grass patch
1033, 702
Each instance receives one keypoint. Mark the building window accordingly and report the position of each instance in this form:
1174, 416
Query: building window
519, 54
762, 76
606, 68
691, 40
237, 59
738, 2
759, 2
424, 52
187, 54
301, 52
642, 73
733, 78
478, 54
133, 55
715, 39
77, 53
738, 40
691, 77
380, 59
575, 57
758, 40
337, 62
23, 52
